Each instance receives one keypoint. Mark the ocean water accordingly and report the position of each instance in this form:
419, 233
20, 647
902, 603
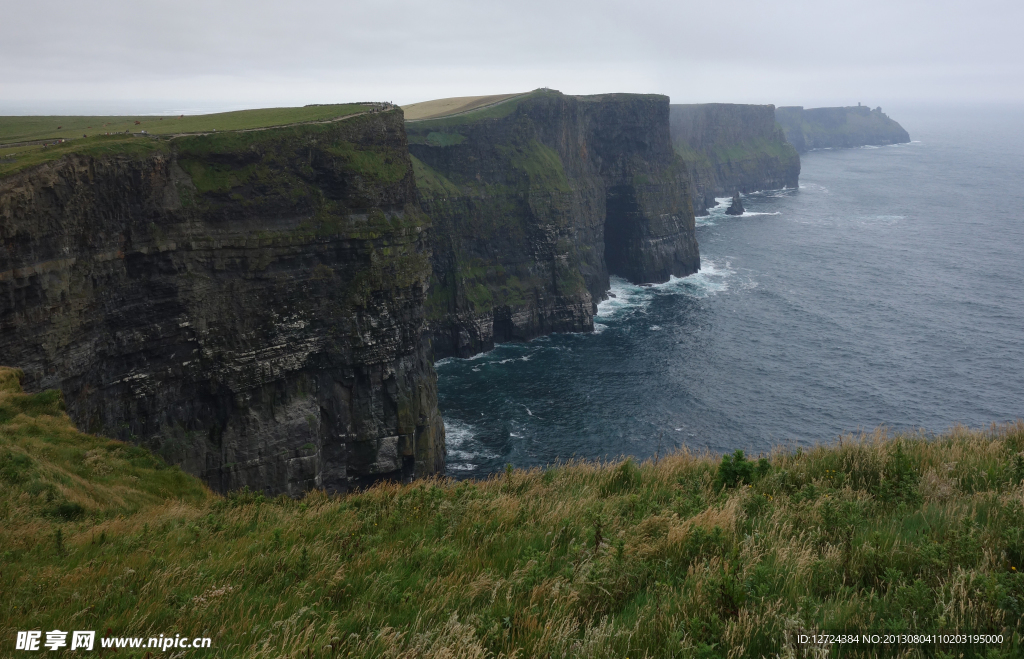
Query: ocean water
888, 290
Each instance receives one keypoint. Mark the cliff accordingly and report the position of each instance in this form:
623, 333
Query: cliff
535, 201
823, 128
729, 147
249, 305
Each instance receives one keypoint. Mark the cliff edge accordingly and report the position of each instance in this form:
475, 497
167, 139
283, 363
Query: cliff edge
535, 201
729, 147
249, 305
842, 127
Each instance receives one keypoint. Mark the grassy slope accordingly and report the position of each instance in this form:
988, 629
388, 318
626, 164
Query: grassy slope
447, 123
739, 152
678, 558
30, 128
20, 129
445, 106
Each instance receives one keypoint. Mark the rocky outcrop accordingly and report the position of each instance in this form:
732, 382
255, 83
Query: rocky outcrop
736, 207
249, 305
843, 127
729, 147
535, 201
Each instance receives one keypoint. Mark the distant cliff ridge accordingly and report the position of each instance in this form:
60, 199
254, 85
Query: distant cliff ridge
247, 304
535, 201
731, 147
843, 127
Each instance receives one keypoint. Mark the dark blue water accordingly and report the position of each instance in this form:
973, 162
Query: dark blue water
887, 290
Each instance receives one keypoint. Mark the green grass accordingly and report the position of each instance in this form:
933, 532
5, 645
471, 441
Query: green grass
424, 127
685, 556
430, 183
19, 158
737, 152
106, 135
541, 165
21, 129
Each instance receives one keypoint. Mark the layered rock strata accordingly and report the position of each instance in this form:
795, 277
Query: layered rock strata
843, 127
536, 201
248, 305
729, 147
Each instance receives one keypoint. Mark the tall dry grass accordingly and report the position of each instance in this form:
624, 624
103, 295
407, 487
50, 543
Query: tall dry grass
878, 532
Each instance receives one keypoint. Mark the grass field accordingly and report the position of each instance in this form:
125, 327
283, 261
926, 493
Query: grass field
444, 107
22, 129
685, 556
99, 135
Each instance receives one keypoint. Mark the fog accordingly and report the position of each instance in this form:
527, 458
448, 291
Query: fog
191, 56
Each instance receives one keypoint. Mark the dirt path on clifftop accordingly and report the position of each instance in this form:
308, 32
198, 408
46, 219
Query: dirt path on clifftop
253, 130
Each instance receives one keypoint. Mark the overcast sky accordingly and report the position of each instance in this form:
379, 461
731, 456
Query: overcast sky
202, 55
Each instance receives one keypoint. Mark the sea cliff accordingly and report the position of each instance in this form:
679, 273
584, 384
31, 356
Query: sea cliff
249, 305
842, 127
536, 201
731, 148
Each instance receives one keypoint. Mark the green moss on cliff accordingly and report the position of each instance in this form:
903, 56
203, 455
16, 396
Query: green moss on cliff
19, 158
443, 139
746, 150
729, 147
753, 149
430, 183
482, 287
383, 166
541, 165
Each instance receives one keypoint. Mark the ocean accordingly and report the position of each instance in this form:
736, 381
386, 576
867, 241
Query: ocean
888, 290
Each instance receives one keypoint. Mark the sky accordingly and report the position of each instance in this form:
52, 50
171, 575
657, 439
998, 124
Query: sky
139, 56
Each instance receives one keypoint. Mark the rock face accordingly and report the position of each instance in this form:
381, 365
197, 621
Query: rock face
535, 201
821, 128
729, 147
249, 305
736, 207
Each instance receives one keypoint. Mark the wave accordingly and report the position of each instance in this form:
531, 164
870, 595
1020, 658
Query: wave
717, 212
459, 437
626, 297
524, 358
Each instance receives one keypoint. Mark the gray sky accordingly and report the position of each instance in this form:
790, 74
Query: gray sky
202, 55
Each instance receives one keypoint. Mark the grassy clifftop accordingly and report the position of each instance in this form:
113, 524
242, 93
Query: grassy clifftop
97, 135
687, 556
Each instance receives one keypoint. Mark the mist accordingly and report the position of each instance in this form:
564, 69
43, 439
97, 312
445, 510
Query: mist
190, 56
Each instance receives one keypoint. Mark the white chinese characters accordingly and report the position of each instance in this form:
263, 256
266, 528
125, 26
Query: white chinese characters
55, 640
82, 640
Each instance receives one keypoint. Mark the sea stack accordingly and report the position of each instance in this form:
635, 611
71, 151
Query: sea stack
736, 207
